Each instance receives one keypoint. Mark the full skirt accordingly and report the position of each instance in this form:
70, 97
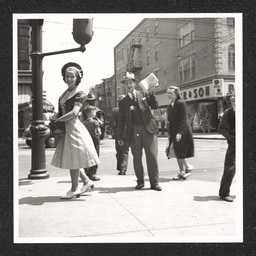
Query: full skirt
75, 148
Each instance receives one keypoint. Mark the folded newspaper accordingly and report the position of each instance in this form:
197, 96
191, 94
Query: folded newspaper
149, 83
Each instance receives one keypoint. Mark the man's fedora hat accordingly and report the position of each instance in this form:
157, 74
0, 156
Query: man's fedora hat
128, 76
90, 97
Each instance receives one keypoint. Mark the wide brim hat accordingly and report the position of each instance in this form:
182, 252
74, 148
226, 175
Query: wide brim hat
72, 65
128, 76
90, 97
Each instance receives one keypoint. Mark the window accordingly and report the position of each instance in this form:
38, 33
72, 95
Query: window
186, 68
156, 52
127, 49
119, 73
108, 102
118, 55
122, 53
140, 38
156, 27
148, 57
147, 33
186, 34
231, 22
231, 57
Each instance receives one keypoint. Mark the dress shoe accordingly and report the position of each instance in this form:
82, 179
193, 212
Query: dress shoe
227, 198
121, 173
189, 169
185, 175
89, 184
71, 194
178, 177
95, 178
156, 187
139, 186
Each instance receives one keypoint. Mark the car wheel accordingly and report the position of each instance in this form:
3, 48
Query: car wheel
50, 142
29, 143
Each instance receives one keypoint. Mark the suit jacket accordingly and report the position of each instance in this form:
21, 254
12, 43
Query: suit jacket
125, 119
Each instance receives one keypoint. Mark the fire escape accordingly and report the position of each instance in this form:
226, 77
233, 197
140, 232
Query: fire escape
134, 63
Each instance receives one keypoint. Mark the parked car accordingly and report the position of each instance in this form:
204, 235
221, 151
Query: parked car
51, 139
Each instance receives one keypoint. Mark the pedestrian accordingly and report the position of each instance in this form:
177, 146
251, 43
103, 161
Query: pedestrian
138, 127
162, 126
122, 152
228, 130
75, 149
100, 117
180, 133
93, 128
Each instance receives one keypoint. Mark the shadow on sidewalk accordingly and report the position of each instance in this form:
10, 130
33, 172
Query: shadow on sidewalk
23, 182
209, 198
47, 199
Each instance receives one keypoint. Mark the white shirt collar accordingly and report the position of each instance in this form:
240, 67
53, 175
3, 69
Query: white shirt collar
130, 94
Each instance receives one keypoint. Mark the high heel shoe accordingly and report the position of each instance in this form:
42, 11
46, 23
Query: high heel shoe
89, 184
71, 194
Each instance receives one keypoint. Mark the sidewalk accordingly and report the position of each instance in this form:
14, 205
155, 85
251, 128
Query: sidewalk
184, 211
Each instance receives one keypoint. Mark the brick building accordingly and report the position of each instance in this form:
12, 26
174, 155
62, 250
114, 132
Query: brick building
196, 54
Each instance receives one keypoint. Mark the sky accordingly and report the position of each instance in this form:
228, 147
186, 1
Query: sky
98, 59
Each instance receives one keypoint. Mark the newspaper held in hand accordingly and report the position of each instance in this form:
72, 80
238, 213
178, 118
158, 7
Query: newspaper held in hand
149, 83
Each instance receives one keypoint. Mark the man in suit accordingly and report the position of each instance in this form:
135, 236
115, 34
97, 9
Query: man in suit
122, 152
138, 127
228, 130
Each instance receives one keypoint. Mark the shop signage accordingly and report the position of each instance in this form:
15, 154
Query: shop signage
196, 93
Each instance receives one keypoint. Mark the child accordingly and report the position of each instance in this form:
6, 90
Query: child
93, 127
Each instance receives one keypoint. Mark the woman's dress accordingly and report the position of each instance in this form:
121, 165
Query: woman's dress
75, 148
178, 123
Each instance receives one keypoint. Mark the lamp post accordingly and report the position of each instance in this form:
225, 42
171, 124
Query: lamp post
82, 34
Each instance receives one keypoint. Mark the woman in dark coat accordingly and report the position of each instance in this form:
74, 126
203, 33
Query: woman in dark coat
180, 133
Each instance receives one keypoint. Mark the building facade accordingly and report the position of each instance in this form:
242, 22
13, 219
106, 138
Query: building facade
24, 73
195, 54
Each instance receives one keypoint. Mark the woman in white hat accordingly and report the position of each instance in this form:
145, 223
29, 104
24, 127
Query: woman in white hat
75, 149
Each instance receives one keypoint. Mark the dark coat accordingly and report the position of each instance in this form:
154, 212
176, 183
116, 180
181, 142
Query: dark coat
178, 123
124, 131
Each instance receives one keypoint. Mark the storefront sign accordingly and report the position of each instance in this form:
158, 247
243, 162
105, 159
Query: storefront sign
196, 93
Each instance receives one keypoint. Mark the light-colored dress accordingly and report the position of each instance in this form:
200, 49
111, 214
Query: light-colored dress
75, 148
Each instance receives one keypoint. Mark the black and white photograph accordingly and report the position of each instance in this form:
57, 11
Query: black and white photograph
127, 128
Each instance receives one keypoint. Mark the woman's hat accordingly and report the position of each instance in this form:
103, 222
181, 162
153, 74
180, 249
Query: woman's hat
73, 65
128, 76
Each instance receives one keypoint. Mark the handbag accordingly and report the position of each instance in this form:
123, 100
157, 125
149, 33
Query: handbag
57, 127
170, 150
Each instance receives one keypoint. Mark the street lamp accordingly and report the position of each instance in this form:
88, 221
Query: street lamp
82, 34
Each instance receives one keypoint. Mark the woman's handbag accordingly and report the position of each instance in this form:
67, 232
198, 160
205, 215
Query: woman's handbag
170, 150
57, 127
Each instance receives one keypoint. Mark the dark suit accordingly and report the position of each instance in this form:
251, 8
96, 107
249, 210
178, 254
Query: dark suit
228, 130
122, 152
138, 127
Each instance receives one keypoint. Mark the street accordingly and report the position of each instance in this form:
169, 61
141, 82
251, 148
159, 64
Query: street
208, 161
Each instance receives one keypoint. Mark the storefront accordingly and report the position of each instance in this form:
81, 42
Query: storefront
206, 104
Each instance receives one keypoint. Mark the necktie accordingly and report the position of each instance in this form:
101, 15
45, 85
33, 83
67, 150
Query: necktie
133, 96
